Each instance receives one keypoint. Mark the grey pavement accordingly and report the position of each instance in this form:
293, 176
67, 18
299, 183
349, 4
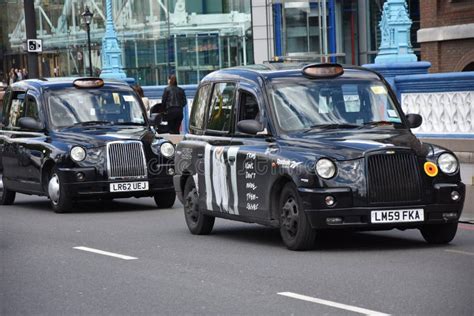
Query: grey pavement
239, 269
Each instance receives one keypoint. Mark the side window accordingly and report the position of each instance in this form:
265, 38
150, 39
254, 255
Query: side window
4, 109
220, 112
248, 107
31, 108
199, 107
17, 109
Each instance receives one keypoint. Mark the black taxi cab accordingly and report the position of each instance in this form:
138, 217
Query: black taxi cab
312, 147
81, 138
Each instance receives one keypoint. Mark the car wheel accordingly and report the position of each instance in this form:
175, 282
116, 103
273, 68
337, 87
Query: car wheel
165, 199
7, 197
439, 233
295, 230
60, 200
198, 223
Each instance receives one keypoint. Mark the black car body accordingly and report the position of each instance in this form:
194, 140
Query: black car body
312, 147
73, 139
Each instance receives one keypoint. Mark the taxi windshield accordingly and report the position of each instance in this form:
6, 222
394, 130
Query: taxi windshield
81, 107
306, 104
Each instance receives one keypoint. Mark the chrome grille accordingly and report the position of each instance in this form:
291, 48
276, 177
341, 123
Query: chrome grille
393, 178
126, 160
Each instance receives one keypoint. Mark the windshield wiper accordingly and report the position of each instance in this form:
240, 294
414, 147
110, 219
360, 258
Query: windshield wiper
90, 123
380, 123
130, 123
331, 126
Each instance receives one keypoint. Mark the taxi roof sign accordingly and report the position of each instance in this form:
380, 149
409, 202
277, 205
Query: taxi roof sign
323, 70
87, 83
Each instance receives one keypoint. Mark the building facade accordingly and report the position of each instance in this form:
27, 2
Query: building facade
192, 38
446, 36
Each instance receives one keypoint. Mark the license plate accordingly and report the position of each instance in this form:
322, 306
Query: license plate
397, 216
129, 186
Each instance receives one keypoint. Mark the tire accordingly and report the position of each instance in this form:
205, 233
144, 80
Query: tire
7, 197
295, 229
59, 197
165, 199
198, 223
439, 233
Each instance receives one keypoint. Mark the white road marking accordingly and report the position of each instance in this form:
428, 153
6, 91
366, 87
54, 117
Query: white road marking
105, 253
461, 252
332, 304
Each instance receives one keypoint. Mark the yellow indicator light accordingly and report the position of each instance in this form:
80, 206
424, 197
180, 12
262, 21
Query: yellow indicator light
431, 169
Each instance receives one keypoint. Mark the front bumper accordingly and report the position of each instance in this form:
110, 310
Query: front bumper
360, 217
93, 188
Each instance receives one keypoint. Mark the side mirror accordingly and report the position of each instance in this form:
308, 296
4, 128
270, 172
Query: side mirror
414, 120
30, 123
152, 118
251, 127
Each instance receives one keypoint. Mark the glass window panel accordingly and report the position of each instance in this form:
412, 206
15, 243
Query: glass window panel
221, 106
199, 107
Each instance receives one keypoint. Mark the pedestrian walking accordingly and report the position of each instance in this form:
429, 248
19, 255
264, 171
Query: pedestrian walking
12, 77
146, 102
19, 75
173, 100
25, 74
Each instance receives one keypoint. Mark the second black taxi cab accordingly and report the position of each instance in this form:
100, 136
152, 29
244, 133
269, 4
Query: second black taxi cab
86, 138
308, 148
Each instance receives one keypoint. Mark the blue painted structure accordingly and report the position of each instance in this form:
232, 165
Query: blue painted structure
277, 13
395, 25
439, 82
111, 53
332, 30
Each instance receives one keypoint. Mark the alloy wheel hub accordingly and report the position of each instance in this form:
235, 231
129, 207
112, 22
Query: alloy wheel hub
289, 216
53, 189
191, 205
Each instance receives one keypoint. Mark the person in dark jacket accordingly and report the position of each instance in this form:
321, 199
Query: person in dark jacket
173, 100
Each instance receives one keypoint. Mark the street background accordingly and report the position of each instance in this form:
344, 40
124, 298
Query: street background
238, 269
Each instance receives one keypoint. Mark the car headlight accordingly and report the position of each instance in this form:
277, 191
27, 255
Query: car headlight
325, 168
448, 163
167, 150
78, 153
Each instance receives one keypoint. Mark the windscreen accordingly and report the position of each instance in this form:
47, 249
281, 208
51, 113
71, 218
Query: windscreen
307, 104
74, 107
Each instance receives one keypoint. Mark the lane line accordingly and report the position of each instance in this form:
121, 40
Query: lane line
466, 227
460, 252
332, 304
105, 253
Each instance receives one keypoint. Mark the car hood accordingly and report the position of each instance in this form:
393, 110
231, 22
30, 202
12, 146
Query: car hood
99, 136
346, 145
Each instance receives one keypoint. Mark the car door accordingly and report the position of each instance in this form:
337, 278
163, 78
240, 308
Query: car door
23, 148
4, 133
216, 185
32, 144
15, 109
253, 162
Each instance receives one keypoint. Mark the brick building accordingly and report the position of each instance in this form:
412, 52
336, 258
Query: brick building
446, 35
